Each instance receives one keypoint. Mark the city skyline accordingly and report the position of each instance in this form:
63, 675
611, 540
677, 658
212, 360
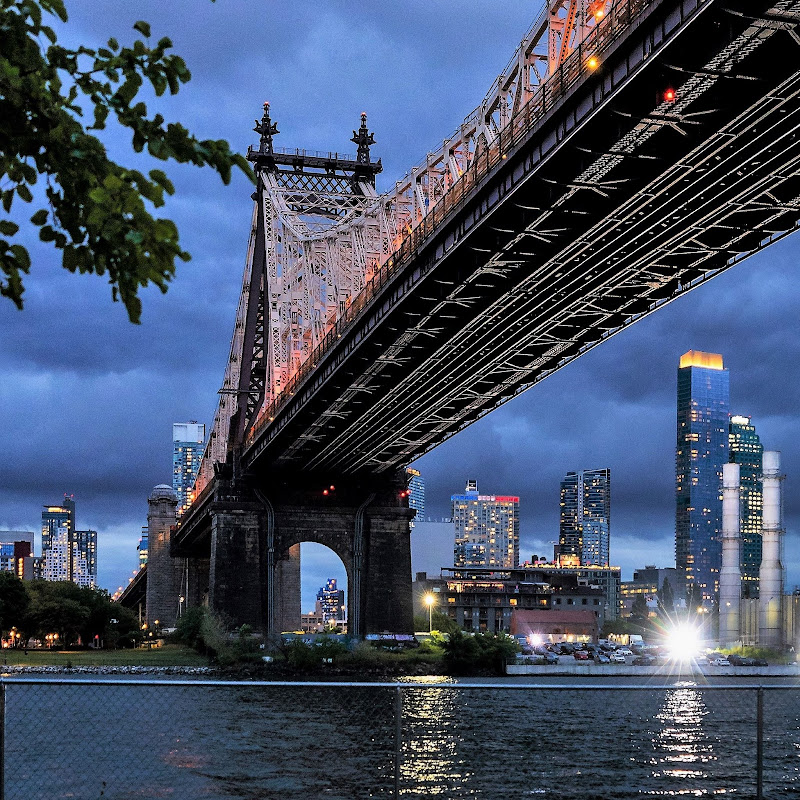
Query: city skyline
72, 360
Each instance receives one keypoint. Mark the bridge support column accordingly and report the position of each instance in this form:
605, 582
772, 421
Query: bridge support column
163, 572
372, 539
195, 583
237, 570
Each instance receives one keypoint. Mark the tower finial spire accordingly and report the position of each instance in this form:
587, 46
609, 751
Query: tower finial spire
267, 128
363, 138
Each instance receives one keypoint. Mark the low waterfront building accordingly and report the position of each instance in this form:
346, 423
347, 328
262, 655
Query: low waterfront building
607, 579
483, 599
556, 626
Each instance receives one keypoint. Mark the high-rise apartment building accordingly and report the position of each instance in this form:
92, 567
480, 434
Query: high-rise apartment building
486, 529
58, 529
701, 450
330, 603
745, 449
585, 519
187, 450
416, 496
67, 554
84, 558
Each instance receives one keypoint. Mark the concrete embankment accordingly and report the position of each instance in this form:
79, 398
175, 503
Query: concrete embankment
11, 671
673, 670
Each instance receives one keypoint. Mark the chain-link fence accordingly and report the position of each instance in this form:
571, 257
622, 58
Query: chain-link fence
178, 739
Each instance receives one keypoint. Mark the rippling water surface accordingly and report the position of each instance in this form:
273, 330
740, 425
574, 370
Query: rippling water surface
210, 741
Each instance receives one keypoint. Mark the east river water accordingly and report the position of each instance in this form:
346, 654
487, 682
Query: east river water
514, 738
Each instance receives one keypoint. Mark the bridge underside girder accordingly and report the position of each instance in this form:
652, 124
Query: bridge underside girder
615, 204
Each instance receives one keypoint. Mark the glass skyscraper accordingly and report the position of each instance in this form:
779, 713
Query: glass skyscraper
486, 529
187, 450
416, 497
702, 449
67, 554
585, 519
746, 450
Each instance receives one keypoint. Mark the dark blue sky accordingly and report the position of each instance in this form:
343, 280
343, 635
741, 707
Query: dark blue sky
87, 400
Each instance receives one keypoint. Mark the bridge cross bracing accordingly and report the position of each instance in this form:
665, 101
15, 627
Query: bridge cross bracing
563, 276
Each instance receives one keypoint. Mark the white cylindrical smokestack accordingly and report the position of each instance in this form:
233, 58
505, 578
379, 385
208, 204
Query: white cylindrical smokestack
770, 589
730, 577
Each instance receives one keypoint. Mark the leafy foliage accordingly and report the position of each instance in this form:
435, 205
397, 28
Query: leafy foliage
38, 608
441, 622
14, 601
666, 597
96, 211
464, 654
639, 608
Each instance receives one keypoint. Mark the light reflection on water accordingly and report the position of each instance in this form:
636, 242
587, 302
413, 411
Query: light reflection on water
683, 749
430, 762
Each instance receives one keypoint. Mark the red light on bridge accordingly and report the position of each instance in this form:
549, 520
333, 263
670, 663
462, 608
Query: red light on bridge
324, 491
669, 95
333, 488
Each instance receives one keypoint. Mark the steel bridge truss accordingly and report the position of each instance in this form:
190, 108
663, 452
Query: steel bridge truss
323, 241
321, 232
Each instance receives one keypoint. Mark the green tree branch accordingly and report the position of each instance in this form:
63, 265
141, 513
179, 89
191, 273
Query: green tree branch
97, 210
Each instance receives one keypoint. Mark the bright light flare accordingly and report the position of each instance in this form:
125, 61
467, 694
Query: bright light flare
535, 639
683, 642
593, 62
429, 600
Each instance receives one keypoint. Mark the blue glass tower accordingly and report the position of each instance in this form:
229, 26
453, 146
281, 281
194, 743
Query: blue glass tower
702, 449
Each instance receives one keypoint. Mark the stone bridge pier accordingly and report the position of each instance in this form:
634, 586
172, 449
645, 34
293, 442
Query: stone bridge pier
257, 527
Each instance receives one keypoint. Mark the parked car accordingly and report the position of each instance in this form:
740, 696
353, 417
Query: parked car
644, 661
719, 662
617, 657
581, 655
602, 658
626, 651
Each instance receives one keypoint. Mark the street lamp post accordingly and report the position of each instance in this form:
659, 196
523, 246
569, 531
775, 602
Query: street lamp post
430, 600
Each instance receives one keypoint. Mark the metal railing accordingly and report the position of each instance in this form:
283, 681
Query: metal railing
95, 738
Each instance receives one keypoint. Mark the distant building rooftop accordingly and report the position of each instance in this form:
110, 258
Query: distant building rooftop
697, 358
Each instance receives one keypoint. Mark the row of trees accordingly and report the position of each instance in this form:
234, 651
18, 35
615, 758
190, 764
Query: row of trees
38, 609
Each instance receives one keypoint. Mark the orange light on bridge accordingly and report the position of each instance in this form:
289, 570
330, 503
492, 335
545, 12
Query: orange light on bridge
669, 95
593, 62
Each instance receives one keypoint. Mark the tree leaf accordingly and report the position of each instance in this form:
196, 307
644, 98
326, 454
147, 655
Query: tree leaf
143, 28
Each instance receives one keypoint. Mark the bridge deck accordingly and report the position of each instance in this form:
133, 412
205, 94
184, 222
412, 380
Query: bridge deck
581, 220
